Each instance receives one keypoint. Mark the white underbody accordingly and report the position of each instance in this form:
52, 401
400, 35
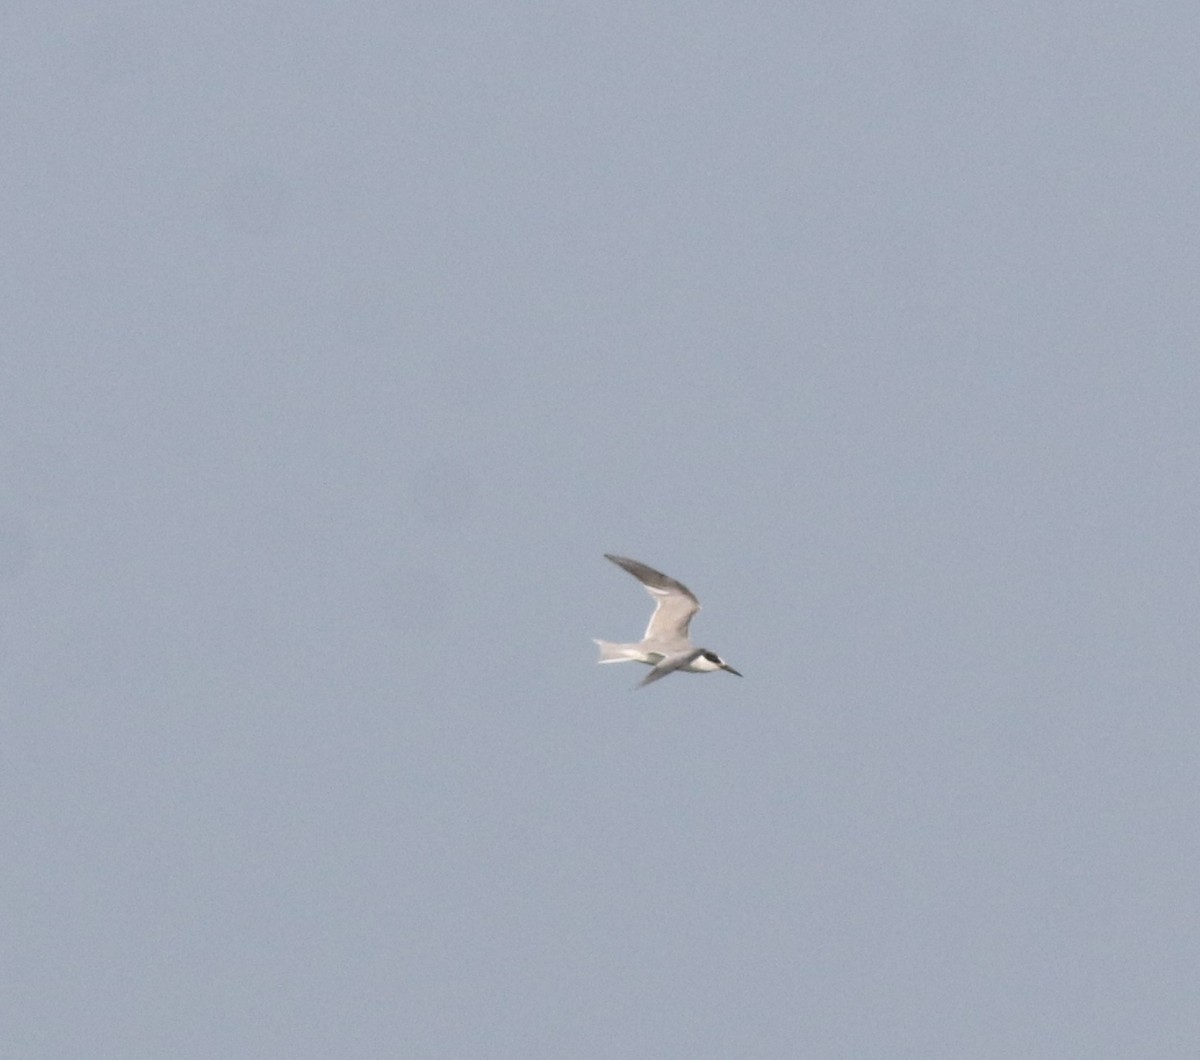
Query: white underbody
618, 653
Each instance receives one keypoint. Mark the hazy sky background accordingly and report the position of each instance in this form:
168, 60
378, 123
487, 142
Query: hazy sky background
339, 341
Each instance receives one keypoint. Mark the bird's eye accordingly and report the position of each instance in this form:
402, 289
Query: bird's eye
711, 657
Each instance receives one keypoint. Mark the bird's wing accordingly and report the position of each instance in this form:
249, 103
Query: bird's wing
668, 666
675, 604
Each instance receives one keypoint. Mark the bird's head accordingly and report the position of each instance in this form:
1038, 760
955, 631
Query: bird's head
710, 660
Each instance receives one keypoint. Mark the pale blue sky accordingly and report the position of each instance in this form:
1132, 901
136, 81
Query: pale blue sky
339, 341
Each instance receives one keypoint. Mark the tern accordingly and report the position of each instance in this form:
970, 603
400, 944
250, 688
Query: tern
666, 647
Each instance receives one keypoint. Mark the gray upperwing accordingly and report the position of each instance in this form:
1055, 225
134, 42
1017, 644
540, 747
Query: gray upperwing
675, 603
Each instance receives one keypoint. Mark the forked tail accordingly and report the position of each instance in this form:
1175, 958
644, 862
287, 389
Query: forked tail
614, 653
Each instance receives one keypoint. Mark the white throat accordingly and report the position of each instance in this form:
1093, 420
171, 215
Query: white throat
702, 665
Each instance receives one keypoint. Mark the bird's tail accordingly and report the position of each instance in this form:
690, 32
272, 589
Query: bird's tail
613, 653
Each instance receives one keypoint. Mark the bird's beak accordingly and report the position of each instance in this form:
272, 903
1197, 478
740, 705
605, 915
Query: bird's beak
731, 670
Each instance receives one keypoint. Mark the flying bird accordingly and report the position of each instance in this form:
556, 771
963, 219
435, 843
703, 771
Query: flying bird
666, 647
